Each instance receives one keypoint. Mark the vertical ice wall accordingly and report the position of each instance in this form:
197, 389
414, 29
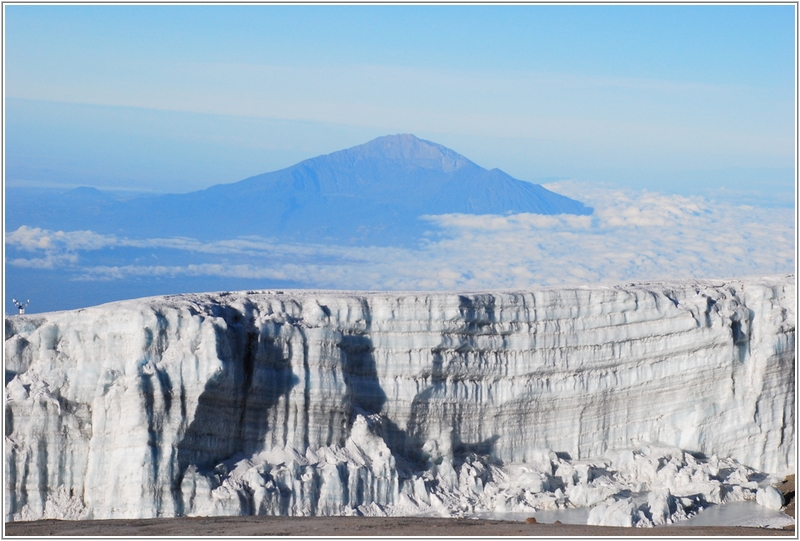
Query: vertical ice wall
315, 402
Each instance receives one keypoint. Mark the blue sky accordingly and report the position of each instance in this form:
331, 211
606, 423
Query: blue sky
675, 123
685, 99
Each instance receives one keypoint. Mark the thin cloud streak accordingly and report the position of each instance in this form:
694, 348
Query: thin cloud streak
32, 239
514, 104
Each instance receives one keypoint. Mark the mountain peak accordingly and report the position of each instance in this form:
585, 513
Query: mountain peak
411, 150
371, 194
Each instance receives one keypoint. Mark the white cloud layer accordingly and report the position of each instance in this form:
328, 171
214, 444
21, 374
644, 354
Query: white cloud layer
631, 236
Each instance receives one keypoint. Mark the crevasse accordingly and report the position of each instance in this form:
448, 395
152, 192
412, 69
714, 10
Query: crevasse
645, 401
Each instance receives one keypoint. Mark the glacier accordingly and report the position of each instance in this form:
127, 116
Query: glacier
645, 402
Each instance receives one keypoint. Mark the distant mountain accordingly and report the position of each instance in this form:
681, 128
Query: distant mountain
373, 194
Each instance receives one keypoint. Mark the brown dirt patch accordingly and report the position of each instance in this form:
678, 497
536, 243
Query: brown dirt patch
353, 526
787, 488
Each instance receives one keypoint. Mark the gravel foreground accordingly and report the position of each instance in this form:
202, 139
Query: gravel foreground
355, 526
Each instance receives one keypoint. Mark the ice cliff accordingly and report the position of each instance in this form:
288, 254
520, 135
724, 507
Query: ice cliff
644, 401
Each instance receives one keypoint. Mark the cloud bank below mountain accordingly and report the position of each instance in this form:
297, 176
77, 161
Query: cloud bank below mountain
632, 235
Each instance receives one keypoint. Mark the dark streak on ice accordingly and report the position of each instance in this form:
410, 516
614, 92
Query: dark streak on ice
232, 411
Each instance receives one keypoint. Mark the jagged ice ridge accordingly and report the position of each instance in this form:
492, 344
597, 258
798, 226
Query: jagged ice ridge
646, 402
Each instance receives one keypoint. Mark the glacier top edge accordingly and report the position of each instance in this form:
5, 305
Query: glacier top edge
767, 280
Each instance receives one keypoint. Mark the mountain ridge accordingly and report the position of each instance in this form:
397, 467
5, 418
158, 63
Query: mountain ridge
369, 194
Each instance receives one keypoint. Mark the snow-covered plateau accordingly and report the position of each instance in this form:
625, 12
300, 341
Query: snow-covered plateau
645, 402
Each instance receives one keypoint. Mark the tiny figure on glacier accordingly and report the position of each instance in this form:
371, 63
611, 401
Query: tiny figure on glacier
20, 305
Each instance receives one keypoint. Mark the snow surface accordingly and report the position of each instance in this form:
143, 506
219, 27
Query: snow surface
645, 403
